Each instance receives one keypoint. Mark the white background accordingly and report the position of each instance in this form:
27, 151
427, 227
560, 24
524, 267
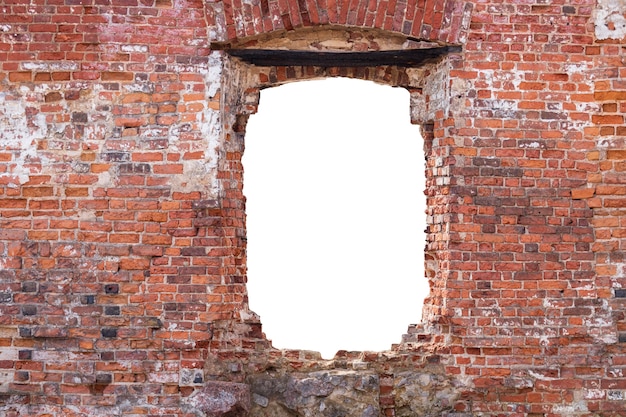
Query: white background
334, 180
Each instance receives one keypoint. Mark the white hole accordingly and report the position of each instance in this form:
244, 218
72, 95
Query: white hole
334, 180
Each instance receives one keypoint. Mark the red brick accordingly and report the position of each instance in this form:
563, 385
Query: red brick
607, 119
37, 191
85, 75
117, 76
583, 193
20, 76
616, 154
525, 202
60, 76
136, 98
147, 157
168, 169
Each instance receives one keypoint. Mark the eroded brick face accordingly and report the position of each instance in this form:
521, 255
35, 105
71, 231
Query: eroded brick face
122, 217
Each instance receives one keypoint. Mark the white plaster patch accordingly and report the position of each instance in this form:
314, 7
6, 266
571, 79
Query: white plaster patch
531, 145
163, 377
210, 123
5, 28
188, 68
610, 20
51, 66
579, 68
138, 88
491, 76
200, 174
597, 322
620, 273
588, 107
19, 134
569, 409
544, 341
594, 394
195, 42
539, 376
134, 48
95, 132
6, 378
217, 31
247, 315
8, 354
465, 23
608, 339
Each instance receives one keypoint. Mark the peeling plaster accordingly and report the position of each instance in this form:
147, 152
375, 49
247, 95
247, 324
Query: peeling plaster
200, 174
50, 66
610, 20
134, 48
19, 135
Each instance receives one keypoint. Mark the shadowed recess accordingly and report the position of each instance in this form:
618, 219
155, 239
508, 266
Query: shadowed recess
401, 58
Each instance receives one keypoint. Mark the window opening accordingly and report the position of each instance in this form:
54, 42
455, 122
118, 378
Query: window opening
334, 180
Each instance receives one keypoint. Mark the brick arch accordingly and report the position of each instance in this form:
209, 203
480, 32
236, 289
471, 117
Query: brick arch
441, 21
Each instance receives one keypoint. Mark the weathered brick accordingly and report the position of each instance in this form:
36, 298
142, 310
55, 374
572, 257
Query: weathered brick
109, 332
136, 98
117, 76
54, 96
583, 193
616, 154
607, 119
20, 76
49, 332
114, 243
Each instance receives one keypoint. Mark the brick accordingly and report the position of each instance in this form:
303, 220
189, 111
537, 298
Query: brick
61, 76
37, 191
610, 190
607, 119
12, 234
130, 121
109, 332
169, 169
80, 117
86, 75
136, 98
118, 76
616, 154
43, 76
152, 217
20, 76
54, 96
111, 289
609, 95
147, 157
49, 332
135, 264
583, 193
614, 202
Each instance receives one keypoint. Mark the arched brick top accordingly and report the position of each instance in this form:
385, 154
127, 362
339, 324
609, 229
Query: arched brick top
442, 21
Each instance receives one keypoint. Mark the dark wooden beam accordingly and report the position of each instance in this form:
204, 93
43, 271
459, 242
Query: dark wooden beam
400, 58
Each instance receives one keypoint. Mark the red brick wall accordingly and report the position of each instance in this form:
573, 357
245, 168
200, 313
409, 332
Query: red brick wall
122, 218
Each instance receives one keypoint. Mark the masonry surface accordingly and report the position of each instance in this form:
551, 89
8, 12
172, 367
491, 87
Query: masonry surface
122, 217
